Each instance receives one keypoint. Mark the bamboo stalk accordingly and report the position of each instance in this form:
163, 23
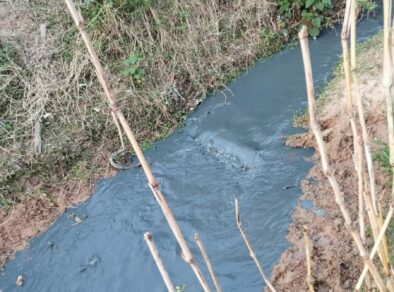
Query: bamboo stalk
156, 256
152, 183
303, 35
375, 247
387, 78
207, 262
307, 244
249, 246
358, 155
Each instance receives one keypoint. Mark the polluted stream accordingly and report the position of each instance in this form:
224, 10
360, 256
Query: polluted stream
231, 146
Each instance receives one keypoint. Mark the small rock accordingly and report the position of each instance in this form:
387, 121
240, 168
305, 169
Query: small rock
74, 217
20, 281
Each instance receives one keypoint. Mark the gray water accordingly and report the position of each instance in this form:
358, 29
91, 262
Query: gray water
230, 147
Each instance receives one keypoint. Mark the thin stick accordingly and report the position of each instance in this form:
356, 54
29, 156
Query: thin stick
207, 262
339, 199
249, 246
152, 183
307, 244
375, 247
156, 256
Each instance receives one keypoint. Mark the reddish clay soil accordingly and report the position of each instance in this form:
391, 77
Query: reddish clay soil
336, 264
34, 215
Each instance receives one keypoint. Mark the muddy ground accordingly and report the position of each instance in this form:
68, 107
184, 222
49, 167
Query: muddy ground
336, 264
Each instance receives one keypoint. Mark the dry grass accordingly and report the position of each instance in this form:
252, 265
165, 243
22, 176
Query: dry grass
163, 59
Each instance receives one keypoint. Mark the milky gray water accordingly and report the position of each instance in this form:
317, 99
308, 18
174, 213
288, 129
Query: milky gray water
232, 146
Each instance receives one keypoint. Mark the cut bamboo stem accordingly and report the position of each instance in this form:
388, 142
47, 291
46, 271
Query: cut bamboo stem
307, 244
375, 247
303, 35
156, 256
249, 246
387, 78
207, 262
152, 183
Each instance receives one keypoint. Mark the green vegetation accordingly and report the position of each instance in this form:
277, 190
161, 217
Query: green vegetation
382, 156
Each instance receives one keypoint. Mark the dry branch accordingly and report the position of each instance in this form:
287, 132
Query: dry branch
328, 172
156, 256
153, 184
207, 262
249, 246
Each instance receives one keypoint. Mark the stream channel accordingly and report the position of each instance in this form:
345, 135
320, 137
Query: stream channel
231, 146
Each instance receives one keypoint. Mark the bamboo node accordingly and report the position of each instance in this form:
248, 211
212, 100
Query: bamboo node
155, 185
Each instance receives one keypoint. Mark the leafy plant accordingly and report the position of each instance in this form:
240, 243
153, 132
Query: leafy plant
382, 156
133, 69
312, 13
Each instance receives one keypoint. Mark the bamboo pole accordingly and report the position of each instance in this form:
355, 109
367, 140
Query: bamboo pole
387, 78
375, 247
249, 246
156, 256
307, 244
303, 36
152, 183
358, 155
360, 109
207, 262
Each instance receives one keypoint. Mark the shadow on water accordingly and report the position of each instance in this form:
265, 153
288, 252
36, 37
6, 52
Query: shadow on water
229, 147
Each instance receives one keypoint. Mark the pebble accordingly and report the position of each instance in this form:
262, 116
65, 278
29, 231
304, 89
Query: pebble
20, 281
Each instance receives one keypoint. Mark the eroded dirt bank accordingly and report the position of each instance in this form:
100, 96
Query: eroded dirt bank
336, 264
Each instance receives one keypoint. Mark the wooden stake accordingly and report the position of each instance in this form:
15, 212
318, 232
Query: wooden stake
156, 256
249, 246
152, 183
207, 262
339, 199
307, 244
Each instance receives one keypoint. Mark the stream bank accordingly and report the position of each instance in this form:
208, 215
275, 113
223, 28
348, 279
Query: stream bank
336, 265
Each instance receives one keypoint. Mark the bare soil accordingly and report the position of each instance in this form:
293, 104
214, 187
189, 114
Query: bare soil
336, 264
37, 212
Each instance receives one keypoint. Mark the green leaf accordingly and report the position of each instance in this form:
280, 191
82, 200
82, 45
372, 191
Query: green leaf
314, 32
320, 6
316, 22
309, 3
